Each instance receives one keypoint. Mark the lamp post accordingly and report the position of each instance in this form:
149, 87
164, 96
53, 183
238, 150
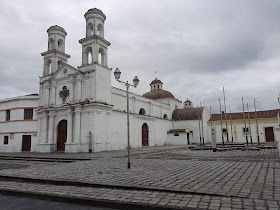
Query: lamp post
117, 74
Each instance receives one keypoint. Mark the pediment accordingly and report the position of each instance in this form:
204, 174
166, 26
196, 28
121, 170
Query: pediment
64, 71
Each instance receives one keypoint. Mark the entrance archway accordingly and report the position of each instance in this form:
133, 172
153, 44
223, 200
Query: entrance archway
61, 135
145, 136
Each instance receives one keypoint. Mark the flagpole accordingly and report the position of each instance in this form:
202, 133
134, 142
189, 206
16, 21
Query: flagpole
245, 122
201, 114
225, 111
257, 126
231, 124
221, 121
199, 125
250, 133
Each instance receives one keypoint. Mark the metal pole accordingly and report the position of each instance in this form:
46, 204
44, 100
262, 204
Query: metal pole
249, 124
231, 124
225, 111
257, 126
213, 136
245, 122
202, 125
128, 140
221, 121
199, 125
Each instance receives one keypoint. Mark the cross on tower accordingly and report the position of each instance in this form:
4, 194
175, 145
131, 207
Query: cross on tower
64, 93
155, 73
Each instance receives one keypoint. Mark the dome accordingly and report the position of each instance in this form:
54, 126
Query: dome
158, 94
56, 27
156, 81
94, 11
187, 101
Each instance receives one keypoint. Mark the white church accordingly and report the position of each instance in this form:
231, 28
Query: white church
77, 109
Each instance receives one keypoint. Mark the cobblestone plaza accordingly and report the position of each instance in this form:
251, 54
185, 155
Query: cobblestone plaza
172, 177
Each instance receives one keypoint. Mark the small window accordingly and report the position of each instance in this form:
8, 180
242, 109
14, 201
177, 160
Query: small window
176, 134
28, 114
245, 131
165, 116
8, 115
6, 140
224, 131
142, 111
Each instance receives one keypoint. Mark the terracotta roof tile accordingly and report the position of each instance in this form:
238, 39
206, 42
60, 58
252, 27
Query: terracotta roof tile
187, 114
240, 116
158, 94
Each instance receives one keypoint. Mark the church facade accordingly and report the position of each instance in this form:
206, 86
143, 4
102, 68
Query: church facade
79, 110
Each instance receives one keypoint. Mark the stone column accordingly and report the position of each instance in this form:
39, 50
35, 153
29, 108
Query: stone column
71, 91
47, 93
52, 95
69, 125
45, 127
51, 128
78, 110
79, 88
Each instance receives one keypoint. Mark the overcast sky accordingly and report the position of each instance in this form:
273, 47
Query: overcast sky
197, 46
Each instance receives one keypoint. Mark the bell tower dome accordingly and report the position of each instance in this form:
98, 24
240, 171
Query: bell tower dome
55, 55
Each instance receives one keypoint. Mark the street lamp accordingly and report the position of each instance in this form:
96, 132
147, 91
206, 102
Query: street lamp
117, 75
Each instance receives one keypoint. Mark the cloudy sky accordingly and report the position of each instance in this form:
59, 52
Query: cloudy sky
197, 46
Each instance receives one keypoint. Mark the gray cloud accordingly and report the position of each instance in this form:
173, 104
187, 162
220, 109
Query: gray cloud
197, 47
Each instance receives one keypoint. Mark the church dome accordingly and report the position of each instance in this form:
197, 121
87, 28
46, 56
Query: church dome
156, 81
158, 94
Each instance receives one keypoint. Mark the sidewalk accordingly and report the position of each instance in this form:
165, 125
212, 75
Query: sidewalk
171, 177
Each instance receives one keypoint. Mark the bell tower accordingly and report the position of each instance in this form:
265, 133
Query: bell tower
94, 58
94, 46
55, 55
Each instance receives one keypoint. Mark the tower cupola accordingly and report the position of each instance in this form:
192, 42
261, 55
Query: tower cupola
156, 84
188, 104
55, 55
95, 19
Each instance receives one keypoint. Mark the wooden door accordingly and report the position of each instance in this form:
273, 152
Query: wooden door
269, 134
26, 142
61, 135
145, 136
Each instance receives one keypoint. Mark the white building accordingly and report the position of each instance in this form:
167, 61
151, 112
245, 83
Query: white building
18, 123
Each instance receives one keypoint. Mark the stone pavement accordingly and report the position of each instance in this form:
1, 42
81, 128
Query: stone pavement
172, 177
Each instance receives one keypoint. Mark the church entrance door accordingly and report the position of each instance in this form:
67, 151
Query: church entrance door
145, 130
61, 135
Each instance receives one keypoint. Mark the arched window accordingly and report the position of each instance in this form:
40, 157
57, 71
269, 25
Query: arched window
158, 86
165, 116
59, 63
100, 31
47, 68
176, 134
101, 57
88, 56
60, 45
50, 44
89, 29
142, 111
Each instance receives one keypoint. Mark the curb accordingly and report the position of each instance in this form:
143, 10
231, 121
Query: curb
87, 201
110, 186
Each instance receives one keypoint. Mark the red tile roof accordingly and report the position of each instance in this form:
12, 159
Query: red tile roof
240, 116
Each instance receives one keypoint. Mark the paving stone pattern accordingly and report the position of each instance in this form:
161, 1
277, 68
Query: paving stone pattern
207, 180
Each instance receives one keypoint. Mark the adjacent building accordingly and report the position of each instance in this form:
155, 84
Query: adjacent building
18, 123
